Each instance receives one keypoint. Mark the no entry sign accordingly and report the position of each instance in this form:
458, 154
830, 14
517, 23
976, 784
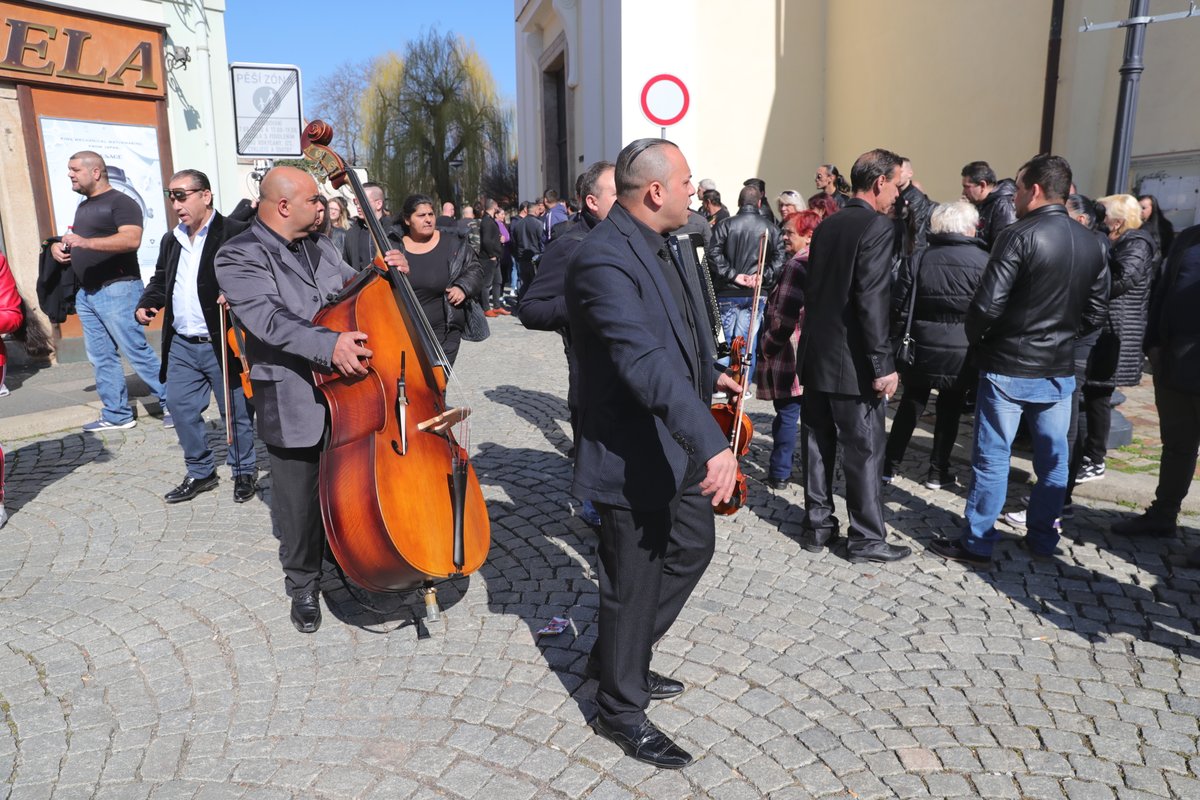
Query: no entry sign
665, 99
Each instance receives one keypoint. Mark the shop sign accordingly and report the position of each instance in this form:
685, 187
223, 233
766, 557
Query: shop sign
49, 46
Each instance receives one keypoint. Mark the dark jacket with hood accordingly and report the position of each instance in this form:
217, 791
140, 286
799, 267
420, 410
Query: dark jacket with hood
1133, 262
948, 273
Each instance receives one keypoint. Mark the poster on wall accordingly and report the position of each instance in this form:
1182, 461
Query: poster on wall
131, 153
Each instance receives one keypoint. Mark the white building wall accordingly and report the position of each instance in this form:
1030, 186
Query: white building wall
199, 97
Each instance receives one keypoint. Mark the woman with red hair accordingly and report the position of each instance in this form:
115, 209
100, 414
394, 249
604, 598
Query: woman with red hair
775, 375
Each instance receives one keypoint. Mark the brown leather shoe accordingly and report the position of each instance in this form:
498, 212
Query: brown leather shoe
491, 312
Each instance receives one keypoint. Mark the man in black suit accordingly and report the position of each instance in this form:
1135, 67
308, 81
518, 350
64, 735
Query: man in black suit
185, 285
647, 449
845, 362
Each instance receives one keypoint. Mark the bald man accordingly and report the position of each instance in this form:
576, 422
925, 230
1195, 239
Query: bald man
648, 452
101, 249
276, 276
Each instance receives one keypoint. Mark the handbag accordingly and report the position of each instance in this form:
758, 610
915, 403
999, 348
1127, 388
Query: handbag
906, 353
475, 328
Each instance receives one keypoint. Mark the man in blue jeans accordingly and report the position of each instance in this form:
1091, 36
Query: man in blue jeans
102, 248
1045, 277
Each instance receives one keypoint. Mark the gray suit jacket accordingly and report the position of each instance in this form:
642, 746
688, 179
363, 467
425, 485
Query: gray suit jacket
275, 295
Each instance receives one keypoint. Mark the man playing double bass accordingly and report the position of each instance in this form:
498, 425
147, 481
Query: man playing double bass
276, 276
647, 448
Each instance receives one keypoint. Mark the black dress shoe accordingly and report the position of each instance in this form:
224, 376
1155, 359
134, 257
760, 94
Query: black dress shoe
661, 687
816, 541
880, 552
191, 487
646, 743
778, 484
953, 550
244, 487
306, 611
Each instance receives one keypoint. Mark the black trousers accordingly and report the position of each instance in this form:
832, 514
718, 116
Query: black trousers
1077, 430
949, 406
296, 515
650, 561
525, 271
493, 286
1179, 425
1097, 406
856, 422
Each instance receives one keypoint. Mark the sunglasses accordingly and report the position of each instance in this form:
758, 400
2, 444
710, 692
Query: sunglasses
179, 194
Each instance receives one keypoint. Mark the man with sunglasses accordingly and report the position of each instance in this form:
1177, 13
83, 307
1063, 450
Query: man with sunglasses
101, 249
184, 287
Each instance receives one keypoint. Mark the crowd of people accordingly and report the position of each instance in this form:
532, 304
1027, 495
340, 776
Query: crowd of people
1021, 302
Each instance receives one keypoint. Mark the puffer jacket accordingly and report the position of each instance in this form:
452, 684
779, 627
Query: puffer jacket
1044, 279
997, 211
948, 273
1133, 262
733, 251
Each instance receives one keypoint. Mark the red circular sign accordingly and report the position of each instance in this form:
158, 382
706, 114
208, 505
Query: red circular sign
660, 118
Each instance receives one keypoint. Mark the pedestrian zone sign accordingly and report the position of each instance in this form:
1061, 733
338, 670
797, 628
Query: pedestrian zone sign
266, 110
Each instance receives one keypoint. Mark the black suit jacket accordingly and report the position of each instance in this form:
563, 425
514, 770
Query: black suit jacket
845, 344
159, 290
645, 377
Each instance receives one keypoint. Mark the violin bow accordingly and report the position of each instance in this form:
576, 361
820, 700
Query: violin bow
743, 375
226, 386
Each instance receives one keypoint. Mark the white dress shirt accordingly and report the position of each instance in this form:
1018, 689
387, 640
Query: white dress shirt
185, 300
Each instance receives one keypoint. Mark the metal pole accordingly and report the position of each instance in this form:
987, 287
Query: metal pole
1131, 77
1050, 92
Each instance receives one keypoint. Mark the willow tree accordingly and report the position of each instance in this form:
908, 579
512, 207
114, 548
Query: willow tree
432, 121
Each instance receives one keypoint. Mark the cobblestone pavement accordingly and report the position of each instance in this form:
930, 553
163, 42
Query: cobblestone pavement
148, 652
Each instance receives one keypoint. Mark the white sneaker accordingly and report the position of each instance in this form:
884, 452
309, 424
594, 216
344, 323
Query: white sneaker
105, 425
3, 515
4, 392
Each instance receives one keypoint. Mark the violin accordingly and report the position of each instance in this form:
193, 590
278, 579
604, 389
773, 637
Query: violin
401, 503
731, 416
237, 346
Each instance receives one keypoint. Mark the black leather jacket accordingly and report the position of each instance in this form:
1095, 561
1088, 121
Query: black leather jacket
997, 211
1044, 280
733, 251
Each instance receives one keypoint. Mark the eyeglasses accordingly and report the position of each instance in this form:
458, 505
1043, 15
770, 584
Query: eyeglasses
179, 194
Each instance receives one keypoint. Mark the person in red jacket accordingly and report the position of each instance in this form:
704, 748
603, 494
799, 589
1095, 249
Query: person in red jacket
10, 320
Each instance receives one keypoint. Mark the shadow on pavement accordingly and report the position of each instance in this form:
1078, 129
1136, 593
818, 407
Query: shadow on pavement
36, 467
541, 565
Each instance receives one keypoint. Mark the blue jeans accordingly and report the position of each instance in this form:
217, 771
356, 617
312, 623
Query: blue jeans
735, 320
109, 329
193, 373
1046, 405
783, 435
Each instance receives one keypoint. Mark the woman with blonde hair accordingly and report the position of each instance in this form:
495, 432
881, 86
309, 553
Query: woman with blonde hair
1116, 360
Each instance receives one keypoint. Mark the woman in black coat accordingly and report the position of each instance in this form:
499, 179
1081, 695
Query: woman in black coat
1133, 261
947, 273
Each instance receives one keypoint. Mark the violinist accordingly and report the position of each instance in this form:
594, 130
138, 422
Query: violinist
276, 276
647, 449
441, 266
184, 288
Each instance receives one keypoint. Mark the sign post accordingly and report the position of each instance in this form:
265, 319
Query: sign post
266, 110
665, 100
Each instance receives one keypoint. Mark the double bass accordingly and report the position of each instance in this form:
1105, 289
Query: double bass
400, 500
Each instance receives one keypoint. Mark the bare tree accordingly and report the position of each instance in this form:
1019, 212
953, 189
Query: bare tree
337, 99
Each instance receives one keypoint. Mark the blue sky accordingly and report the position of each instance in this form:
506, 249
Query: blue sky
318, 35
